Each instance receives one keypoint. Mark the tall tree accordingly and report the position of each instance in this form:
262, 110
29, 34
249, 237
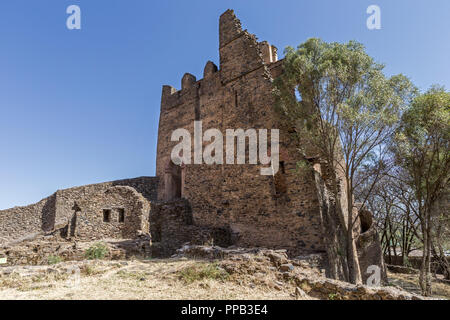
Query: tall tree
393, 205
422, 149
343, 108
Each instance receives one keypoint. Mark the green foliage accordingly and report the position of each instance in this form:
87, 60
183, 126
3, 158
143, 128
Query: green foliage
423, 142
54, 260
334, 296
422, 152
303, 168
342, 100
344, 111
204, 271
97, 251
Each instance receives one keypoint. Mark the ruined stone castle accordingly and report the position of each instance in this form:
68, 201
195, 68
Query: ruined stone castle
217, 204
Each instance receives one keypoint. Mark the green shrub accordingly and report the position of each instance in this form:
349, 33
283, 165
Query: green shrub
97, 251
334, 296
54, 260
200, 272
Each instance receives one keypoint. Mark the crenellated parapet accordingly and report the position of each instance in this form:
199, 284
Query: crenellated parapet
269, 52
210, 70
188, 81
240, 54
172, 98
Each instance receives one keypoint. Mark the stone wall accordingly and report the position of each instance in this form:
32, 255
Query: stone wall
39, 251
20, 222
414, 262
59, 209
119, 212
65, 199
172, 226
238, 197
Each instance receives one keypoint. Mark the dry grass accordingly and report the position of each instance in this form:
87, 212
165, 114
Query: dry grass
203, 271
142, 280
410, 282
166, 279
24, 284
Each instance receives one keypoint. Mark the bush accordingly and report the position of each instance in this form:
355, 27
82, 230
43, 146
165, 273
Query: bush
54, 260
200, 272
334, 296
97, 251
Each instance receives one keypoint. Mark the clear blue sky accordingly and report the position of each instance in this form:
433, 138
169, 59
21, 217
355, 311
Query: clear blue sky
82, 106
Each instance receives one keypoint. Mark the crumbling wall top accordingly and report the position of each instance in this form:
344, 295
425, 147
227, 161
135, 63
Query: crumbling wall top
229, 27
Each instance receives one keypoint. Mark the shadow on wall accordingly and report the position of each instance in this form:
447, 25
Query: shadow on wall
49, 214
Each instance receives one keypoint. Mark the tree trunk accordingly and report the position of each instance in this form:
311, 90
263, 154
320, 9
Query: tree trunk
353, 261
425, 269
441, 259
352, 253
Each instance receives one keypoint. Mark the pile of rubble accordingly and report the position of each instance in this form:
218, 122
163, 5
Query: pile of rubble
305, 273
38, 252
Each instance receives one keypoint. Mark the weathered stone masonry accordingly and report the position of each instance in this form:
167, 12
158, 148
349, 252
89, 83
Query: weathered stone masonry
280, 211
79, 212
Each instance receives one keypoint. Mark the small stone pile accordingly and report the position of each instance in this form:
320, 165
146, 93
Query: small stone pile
303, 273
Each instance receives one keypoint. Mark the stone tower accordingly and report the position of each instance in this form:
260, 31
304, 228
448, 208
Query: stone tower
278, 211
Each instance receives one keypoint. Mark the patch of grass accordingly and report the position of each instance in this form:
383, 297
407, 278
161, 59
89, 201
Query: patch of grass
90, 271
205, 271
97, 251
333, 296
54, 260
139, 276
34, 282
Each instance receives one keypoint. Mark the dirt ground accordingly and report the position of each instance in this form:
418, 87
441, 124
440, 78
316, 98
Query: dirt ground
174, 279
141, 280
